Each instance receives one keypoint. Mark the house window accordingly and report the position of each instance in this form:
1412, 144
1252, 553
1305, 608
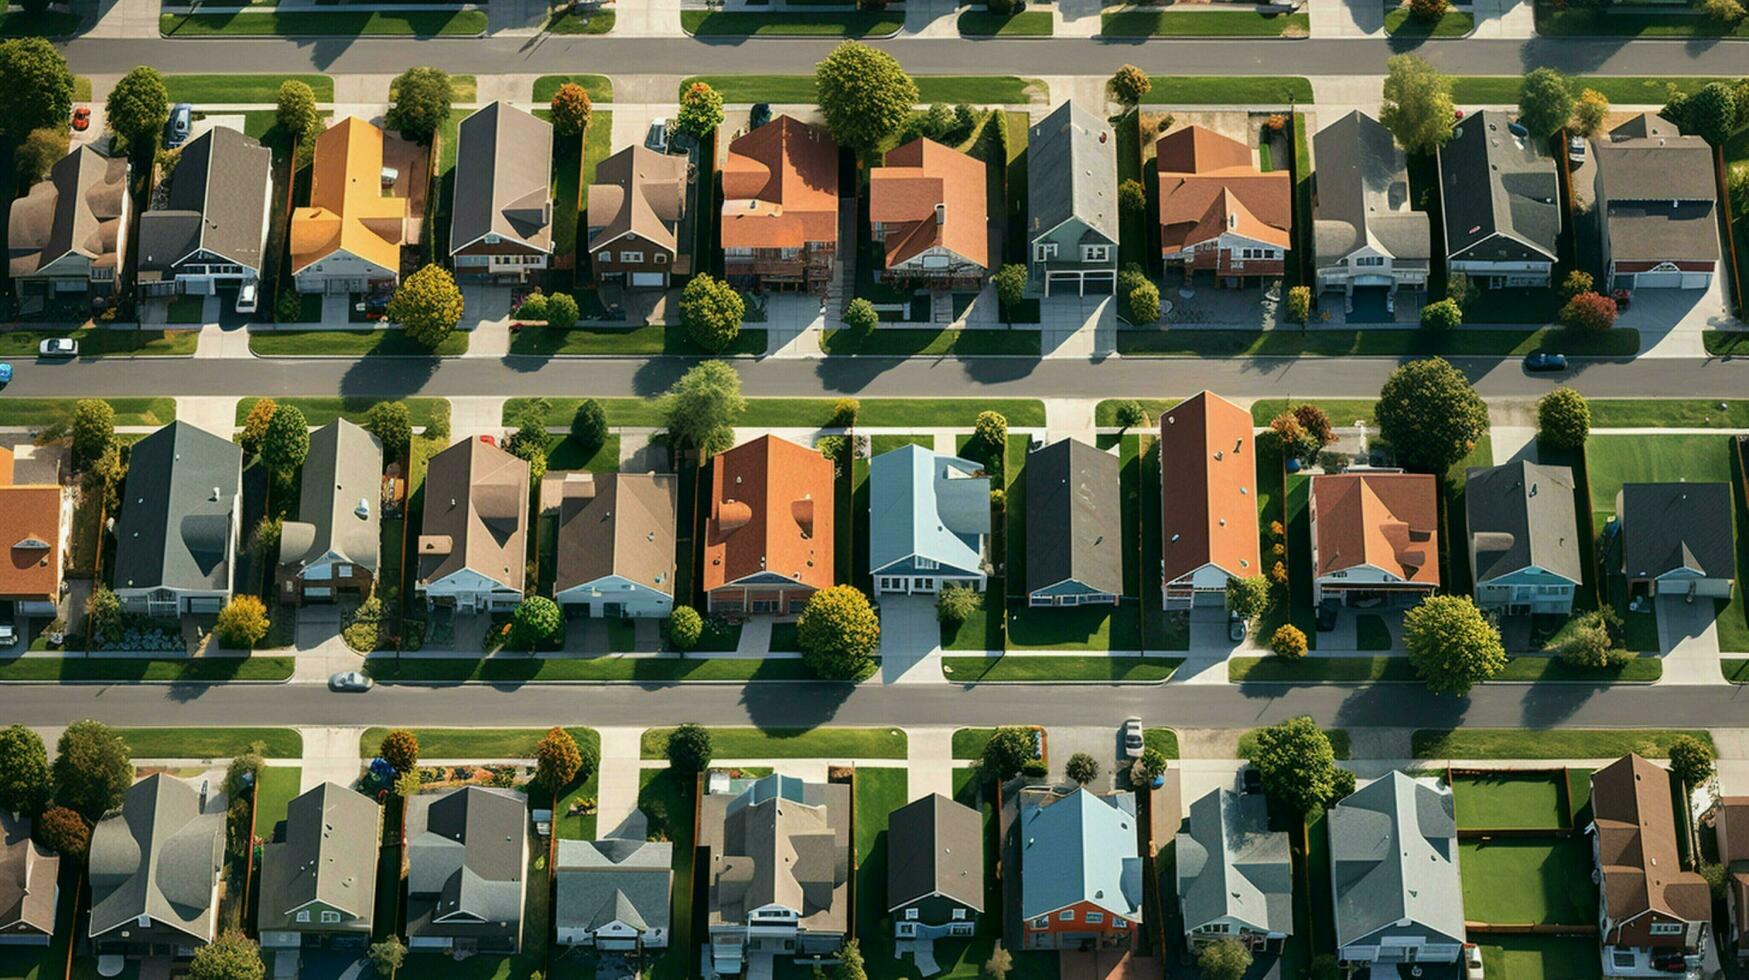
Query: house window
959, 915
330, 916
911, 913
661, 258
1044, 251
1624, 960
926, 564
1666, 929
737, 253
1067, 915
1095, 253
1369, 260
631, 256
1041, 922
1095, 918
304, 915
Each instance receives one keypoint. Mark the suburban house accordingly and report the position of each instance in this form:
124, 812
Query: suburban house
933, 515
1676, 539
935, 879
1071, 196
178, 528
1208, 501
29, 885
333, 545
1366, 236
780, 207
1656, 192
318, 871
616, 544
154, 871
1375, 537
35, 524
1080, 869
501, 220
1501, 200
1219, 213
638, 232
1524, 538
613, 894
927, 211
467, 851
1731, 833
1074, 526
1235, 876
349, 238
778, 869
1394, 862
1653, 917
768, 541
211, 230
473, 545
69, 233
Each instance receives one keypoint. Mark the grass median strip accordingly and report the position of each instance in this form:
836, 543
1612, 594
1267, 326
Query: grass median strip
210, 743
1134, 670
789, 743
1482, 342
1227, 90
972, 89
212, 89
1399, 22
47, 411
716, 23
536, 669
909, 342
322, 410
646, 340
351, 343
1026, 23
474, 743
1670, 413
1366, 670
1542, 743
1338, 737
268, 23
1143, 22
198, 670
101, 342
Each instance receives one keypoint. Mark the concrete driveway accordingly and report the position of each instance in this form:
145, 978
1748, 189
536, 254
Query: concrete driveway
1104, 744
1688, 639
910, 640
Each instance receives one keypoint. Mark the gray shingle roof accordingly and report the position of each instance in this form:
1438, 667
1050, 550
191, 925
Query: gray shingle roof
1522, 514
324, 851
175, 530
1071, 170
1670, 526
936, 847
1394, 853
783, 842
218, 202
601, 882
617, 524
1494, 183
501, 178
158, 857
465, 862
1074, 525
1079, 848
1363, 194
1660, 193
1231, 865
28, 873
339, 505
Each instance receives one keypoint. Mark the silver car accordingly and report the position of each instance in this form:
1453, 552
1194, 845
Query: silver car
350, 680
1132, 738
58, 347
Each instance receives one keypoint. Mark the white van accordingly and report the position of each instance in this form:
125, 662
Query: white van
246, 298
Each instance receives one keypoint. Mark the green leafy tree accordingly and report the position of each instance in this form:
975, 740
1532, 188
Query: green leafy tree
422, 98
701, 110
1132, 197
1563, 419
297, 113
255, 426
400, 749
1590, 639
1711, 113
711, 310
850, 966
1722, 11
40, 151
1451, 644
1130, 85
25, 780
839, 633
537, 621
1247, 597
286, 444
1417, 106
392, 424
1142, 303
1589, 112
1010, 285
571, 110
685, 628
103, 618
1009, 749
92, 768
63, 831
242, 623
557, 760
232, 956
1443, 314
38, 89
702, 406
863, 93
1081, 768
92, 426
1577, 281
1130, 414
861, 316
427, 305
689, 748
1223, 959
387, 956
1430, 415
1544, 102
589, 425
1288, 641
1152, 763
1691, 760
138, 107
844, 413
1296, 763
1298, 308
408, 784
437, 426
991, 429
955, 604
562, 311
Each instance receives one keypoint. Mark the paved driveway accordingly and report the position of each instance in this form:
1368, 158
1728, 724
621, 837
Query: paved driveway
910, 640
1688, 638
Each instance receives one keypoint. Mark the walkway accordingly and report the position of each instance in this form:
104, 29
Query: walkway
616, 802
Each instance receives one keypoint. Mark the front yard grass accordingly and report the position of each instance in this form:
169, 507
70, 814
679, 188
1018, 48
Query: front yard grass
1228, 90
1453, 23
279, 786
1075, 628
1510, 800
1670, 413
1554, 21
268, 23
812, 412
321, 410
581, 22
1540, 957
1145, 22
1192, 342
598, 87
1558, 743
1533, 668
921, 342
173, 670
789, 743
1528, 881
645, 340
1339, 742
48, 23
210, 743
351, 343
1025, 23
101, 341
971, 89
512, 670
38, 412
1133, 670
843, 23
209, 89
1618, 89
474, 743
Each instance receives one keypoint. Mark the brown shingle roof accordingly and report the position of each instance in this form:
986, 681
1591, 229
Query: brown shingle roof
771, 511
1208, 184
640, 191
1208, 494
476, 514
27, 880
1636, 845
78, 208
906, 191
617, 524
1731, 829
780, 187
1387, 520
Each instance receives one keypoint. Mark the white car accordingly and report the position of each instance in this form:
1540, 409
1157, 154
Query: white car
658, 138
1472, 962
58, 347
350, 680
1132, 738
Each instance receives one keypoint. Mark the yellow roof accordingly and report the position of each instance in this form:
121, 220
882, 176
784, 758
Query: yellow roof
348, 211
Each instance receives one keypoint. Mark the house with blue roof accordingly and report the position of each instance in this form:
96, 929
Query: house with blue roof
1080, 869
929, 521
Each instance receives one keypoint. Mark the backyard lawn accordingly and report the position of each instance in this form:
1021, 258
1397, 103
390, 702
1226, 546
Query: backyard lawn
279, 786
1540, 957
1528, 881
789, 743
1614, 460
1505, 800
1559, 743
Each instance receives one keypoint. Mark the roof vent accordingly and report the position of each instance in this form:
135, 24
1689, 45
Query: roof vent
363, 509
216, 494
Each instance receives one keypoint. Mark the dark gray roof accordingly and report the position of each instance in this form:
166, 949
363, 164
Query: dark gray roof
1659, 192
175, 524
617, 524
936, 847
28, 873
1230, 865
781, 841
501, 178
1522, 514
339, 504
614, 880
1071, 167
1363, 194
1494, 183
324, 851
1670, 526
218, 202
1393, 856
1074, 521
158, 857
466, 852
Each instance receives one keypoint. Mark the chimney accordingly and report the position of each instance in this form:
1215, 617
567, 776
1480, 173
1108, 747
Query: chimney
941, 214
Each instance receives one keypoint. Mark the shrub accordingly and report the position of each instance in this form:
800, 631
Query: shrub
1691, 760
232, 956
537, 622
242, 623
956, 603
534, 307
1443, 314
1007, 752
991, 429
571, 109
1298, 308
685, 627
1723, 11
1578, 281
392, 424
689, 748
363, 631
1130, 85
1132, 197
839, 633
1563, 418
860, 315
589, 425
400, 749
1142, 304
844, 412
63, 831
1590, 110
1081, 768
388, 955
562, 311
1589, 311
1288, 640
1428, 9
558, 760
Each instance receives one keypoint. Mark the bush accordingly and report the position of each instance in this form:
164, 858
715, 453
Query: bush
711, 311
844, 413
1288, 640
232, 956
1443, 314
685, 627
537, 622
242, 623
562, 311
363, 631
1142, 304
1578, 281
991, 429
1132, 197
1691, 760
1081, 768
860, 315
1034, 769
1563, 419
839, 633
589, 425
1130, 85
1130, 414
1589, 311
1590, 640
571, 109
103, 617
392, 424
689, 748
534, 307
388, 955
1298, 308
956, 603
63, 831
1723, 11
1007, 752
400, 749
1428, 9
558, 761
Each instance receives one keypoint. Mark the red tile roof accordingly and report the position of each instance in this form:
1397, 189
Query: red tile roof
1209, 184
906, 191
780, 187
1387, 520
1208, 495
771, 511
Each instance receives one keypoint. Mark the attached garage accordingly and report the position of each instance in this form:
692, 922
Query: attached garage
1099, 282
1697, 280
1660, 278
649, 280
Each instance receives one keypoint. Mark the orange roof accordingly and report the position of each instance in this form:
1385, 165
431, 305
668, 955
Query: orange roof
348, 211
1208, 185
1387, 520
1208, 495
30, 531
917, 178
780, 187
771, 511
5, 467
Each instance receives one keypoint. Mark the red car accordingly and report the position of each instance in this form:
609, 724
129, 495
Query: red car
81, 119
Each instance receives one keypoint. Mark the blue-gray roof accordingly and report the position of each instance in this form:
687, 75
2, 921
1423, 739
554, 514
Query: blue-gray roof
1231, 865
1393, 854
929, 505
1072, 172
1080, 848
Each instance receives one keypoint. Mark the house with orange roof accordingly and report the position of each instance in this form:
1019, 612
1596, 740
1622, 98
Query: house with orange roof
1218, 212
768, 541
348, 240
927, 210
1375, 537
1208, 501
34, 523
780, 207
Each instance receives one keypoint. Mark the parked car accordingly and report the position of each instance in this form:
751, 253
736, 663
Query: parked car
1235, 628
5, 374
181, 121
1251, 780
58, 347
1472, 962
1132, 738
1575, 150
658, 138
1327, 614
246, 298
1541, 361
81, 119
760, 115
350, 680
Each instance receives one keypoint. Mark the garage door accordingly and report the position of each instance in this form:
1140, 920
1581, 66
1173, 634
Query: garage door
656, 279
1100, 284
205, 605
1697, 280
1658, 280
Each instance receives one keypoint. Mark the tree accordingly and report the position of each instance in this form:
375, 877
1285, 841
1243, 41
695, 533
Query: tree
297, 112
1577, 281
850, 966
138, 107
1417, 106
1223, 959
1459, 289
25, 781
1430, 415
1010, 285
1247, 597
1081, 768
1563, 419
92, 426
392, 424
1316, 422
427, 305
63, 831
860, 315
571, 110
407, 784
844, 413
536, 622
1691, 760
685, 627
1589, 111
1289, 641
400, 749
1298, 308
1544, 102
1130, 85
689, 748
955, 604
1010, 747
255, 425
242, 623
1443, 314
1722, 11
701, 110
103, 617
1590, 640
1000, 963
1711, 113
387, 956
244, 769
839, 633
1593, 312
589, 425
1132, 197
863, 94
1151, 764
1142, 303
1296, 763
1451, 644
232, 956
422, 99
287, 442
1428, 10
92, 768
1130, 414
702, 406
991, 429
38, 89
711, 310
557, 760
534, 306
39, 152
562, 311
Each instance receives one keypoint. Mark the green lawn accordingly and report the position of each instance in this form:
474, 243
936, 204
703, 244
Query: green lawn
1621, 89
186, 310
1540, 957
530, 669
1339, 742
968, 743
1192, 342
824, 23
1673, 413
1735, 669
893, 412
1615, 460
474, 743
790, 743
1507, 800
1144, 22
100, 342
1164, 739
208, 89
926, 342
599, 87
1557, 743
253, 23
1733, 342
1553, 21
279, 786
974, 89
581, 22
210, 743
178, 670
1227, 90
1366, 670
1026, 23
1342, 411
49, 23
350, 343
320, 410
1454, 23
1528, 881
648, 339
37, 412
1073, 628
975, 670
